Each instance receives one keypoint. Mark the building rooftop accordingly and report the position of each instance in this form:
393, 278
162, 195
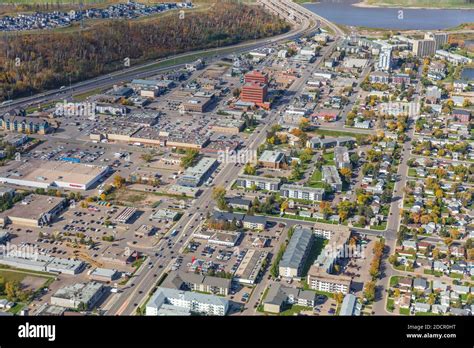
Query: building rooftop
54, 171
297, 247
32, 207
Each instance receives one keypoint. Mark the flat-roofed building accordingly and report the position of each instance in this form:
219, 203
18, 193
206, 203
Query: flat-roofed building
103, 274
218, 237
319, 279
79, 296
54, 174
302, 192
34, 210
294, 258
196, 175
250, 266
254, 93
424, 48
248, 181
125, 215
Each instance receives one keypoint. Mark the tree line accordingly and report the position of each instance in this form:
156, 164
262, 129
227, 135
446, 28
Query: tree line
52, 59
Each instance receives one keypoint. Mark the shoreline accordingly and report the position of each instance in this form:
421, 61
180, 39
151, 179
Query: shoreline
364, 4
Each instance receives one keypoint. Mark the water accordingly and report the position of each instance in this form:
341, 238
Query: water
342, 12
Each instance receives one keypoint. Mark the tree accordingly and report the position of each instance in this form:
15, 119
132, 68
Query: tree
119, 181
369, 291
284, 206
189, 158
346, 174
250, 169
339, 297
147, 157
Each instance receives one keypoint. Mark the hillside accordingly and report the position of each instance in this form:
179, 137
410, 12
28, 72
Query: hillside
50, 59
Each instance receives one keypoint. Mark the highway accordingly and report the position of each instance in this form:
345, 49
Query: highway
136, 294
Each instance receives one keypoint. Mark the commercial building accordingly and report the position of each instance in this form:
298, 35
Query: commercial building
254, 93
54, 174
331, 177
424, 48
249, 181
34, 211
247, 221
250, 266
42, 263
103, 274
165, 214
185, 281
279, 296
319, 280
177, 302
218, 237
79, 295
302, 192
272, 159
125, 215
195, 176
293, 260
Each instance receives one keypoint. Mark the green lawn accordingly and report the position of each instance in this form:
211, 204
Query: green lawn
394, 280
295, 309
332, 133
404, 311
390, 304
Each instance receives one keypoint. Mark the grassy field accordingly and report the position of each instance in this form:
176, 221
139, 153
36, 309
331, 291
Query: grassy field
422, 3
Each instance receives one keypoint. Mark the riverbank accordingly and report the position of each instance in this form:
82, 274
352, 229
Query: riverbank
415, 4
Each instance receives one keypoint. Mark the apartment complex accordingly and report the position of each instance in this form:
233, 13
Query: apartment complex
248, 181
195, 282
177, 302
293, 260
302, 192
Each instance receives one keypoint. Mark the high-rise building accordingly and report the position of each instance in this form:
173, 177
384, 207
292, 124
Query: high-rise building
385, 59
256, 76
440, 38
254, 93
424, 48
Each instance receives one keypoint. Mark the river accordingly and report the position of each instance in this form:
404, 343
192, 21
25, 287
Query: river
342, 12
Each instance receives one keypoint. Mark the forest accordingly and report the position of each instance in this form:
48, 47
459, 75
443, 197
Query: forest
32, 62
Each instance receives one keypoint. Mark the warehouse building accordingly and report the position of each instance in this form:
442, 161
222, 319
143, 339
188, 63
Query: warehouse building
79, 295
34, 211
54, 174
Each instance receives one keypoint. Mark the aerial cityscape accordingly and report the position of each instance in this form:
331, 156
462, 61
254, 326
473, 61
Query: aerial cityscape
236, 158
